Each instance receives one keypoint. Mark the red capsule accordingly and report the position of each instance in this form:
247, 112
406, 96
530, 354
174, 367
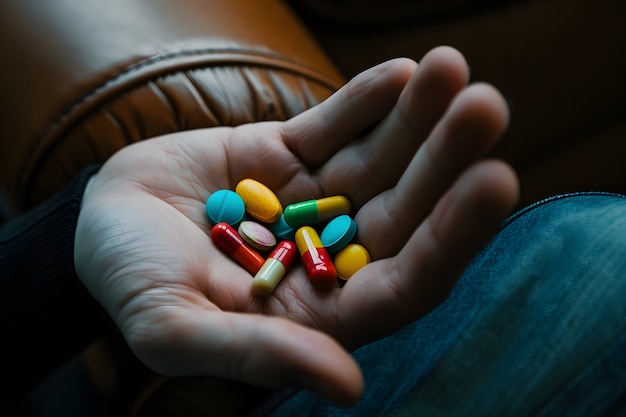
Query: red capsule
228, 240
317, 262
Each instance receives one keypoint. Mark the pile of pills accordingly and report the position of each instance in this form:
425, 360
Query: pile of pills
251, 220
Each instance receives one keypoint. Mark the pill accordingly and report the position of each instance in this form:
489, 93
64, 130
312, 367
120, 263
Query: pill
225, 206
281, 229
311, 212
227, 239
260, 202
275, 267
338, 233
317, 262
350, 259
256, 235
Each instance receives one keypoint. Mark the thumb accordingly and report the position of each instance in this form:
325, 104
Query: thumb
265, 351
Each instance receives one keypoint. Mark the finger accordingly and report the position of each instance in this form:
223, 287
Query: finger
475, 121
461, 224
315, 135
380, 159
265, 351
388, 294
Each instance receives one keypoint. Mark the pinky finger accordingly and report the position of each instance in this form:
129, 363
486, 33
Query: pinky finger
462, 223
390, 293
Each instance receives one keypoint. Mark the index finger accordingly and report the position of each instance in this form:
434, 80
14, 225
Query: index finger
315, 135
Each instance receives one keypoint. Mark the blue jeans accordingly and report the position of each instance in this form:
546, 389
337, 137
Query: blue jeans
536, 326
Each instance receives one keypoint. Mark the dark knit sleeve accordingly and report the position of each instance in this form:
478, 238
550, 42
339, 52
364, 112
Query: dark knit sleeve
46, 314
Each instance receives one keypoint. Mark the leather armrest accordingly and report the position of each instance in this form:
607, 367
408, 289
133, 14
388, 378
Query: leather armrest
82, 79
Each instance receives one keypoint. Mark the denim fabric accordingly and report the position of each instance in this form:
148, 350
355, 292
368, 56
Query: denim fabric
536, 326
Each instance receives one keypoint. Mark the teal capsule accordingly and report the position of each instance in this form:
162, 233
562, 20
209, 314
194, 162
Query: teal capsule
281, 229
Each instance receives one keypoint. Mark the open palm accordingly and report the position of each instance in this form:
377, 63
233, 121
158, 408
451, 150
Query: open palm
405, 143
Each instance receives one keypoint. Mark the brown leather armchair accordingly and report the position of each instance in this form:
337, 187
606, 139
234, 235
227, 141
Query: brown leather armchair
81, 79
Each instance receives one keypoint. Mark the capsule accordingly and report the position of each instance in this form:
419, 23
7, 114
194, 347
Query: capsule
350, 259
281, 229
317, 262
228, 240
275, 267
261, 203
312, 212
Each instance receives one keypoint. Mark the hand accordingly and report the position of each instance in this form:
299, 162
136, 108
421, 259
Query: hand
405, 143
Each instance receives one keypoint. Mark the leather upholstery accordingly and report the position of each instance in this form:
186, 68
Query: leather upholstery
81, 79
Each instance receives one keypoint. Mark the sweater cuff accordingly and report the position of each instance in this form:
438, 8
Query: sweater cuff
47, 314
